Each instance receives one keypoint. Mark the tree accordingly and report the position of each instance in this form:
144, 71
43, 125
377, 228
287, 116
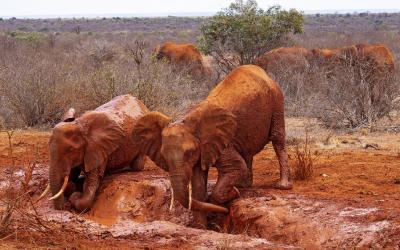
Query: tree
243, 32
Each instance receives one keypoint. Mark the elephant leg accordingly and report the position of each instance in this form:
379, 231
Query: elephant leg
138, 163
232, 170
278, 141
84, 201
73, 180
199, 187
248, 181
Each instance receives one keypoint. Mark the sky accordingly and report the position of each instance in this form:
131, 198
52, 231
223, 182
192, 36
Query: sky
27, 8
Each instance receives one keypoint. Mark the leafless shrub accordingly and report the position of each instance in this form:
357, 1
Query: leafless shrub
38, 83
346, 94
357, 95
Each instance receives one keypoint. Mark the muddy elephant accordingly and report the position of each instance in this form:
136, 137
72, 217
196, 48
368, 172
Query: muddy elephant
239, 117
182, 55
333, 55
277, 60
97, 142
373, 63
377, 63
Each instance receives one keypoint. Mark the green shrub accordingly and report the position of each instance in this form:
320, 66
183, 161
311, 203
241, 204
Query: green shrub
241, 33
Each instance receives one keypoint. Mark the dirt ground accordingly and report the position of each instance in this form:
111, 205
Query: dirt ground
352, 200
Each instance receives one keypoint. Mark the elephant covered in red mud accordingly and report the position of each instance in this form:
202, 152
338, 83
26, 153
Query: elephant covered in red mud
94, 143
373, 63
182, 55
284, 58
239, 117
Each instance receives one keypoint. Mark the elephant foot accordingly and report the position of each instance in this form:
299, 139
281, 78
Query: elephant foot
284, 185
77, 201
75, 196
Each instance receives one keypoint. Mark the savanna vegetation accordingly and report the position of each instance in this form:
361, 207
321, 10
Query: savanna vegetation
49, 65
343, 171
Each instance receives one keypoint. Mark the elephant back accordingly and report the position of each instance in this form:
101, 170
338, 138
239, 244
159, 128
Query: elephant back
124, 110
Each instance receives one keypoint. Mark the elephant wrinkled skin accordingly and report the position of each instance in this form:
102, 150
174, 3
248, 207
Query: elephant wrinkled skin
239, 117
96, 142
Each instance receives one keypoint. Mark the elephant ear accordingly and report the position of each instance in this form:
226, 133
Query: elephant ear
103, 137
216, 128
146, 135
69, 116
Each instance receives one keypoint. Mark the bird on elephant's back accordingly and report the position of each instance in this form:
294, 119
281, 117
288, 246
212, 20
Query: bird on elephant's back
95, 143
239, 117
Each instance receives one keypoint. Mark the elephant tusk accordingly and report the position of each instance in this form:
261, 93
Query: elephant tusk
43, 194
190, 195
61, 190
208, 207
171, 206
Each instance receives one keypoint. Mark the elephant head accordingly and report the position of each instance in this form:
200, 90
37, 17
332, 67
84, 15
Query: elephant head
195, 141
86, 141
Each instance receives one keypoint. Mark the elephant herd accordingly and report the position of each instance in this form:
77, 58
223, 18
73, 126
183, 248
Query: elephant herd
373, 63
243, 113
378, 56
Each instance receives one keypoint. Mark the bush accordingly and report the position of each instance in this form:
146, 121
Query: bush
357, 95
39, 82
243, 32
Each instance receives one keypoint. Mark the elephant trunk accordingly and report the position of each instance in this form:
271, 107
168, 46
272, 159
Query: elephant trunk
56, 180
182, 193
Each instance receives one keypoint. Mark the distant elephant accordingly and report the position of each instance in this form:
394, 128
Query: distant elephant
239, 117
284, 58
374, 62
182, 55
377, 61
347, 52
96, 142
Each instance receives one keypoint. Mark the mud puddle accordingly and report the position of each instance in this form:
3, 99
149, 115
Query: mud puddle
136, 205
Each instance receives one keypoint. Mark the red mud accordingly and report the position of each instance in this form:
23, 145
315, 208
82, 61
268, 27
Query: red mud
352, 200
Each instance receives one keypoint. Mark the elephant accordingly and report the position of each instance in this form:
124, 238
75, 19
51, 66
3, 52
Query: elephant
292, 58
374, 63
378, 65
182, 55
349, 52
95, 143
238, 118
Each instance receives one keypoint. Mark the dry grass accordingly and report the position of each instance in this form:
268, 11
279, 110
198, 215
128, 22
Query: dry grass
41, 79
43, 74
303, 167
16, 204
